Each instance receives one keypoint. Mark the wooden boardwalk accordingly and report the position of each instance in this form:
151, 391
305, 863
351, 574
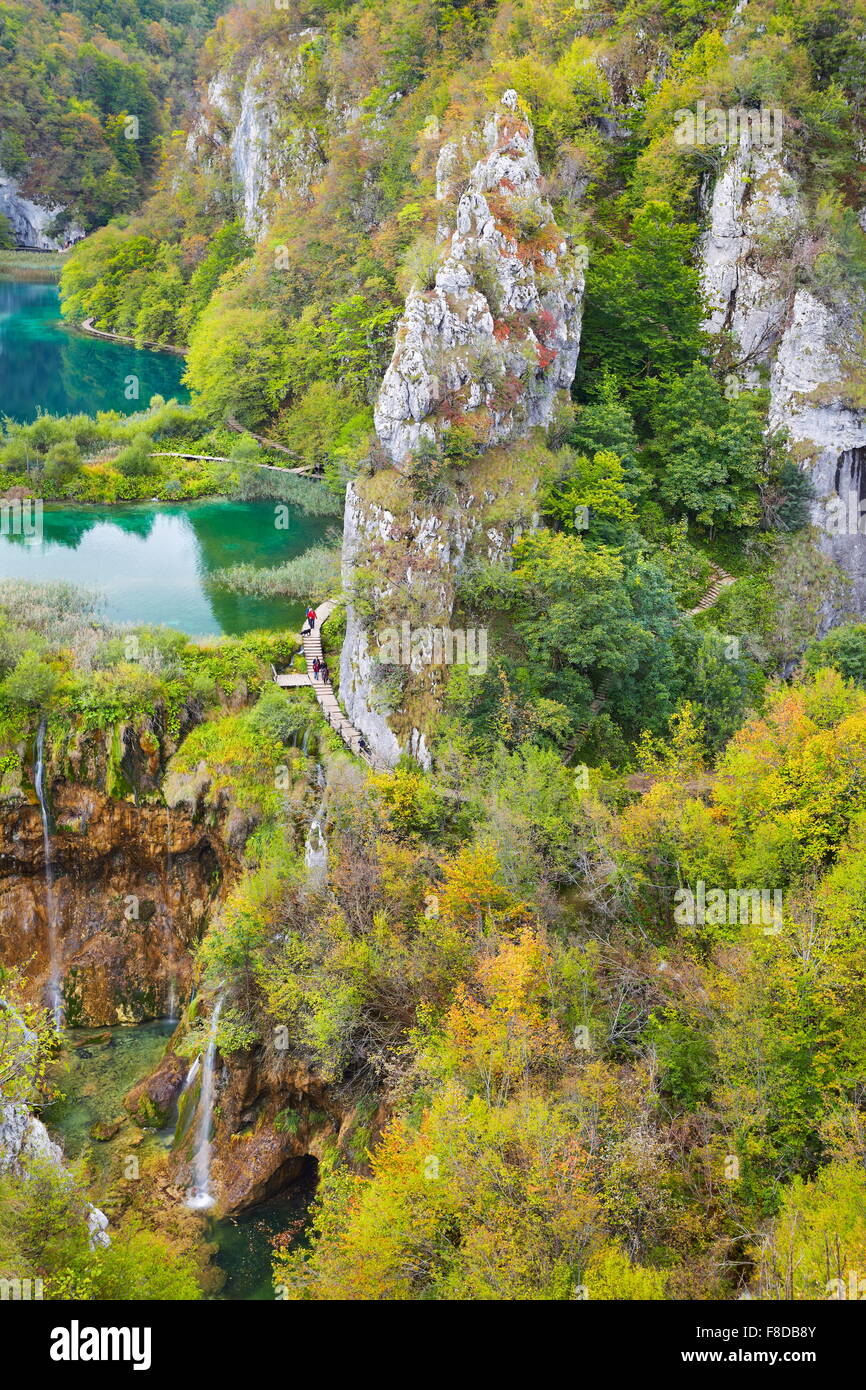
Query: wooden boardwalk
324, 690
87, 327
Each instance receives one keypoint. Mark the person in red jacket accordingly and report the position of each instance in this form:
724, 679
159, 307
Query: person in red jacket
311, 618
317, 666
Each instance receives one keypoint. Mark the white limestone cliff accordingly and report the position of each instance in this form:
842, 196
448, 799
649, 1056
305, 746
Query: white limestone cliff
488, 345
499, 331
805, 344
249, 127
30, 221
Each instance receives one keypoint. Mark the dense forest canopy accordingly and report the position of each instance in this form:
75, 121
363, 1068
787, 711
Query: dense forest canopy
71, 74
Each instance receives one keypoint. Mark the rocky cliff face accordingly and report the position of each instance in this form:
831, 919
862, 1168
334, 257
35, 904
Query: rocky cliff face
806, 345
273, 1120
499, 331
252, 126
486, 347
30, 221
132, 888
257, 1154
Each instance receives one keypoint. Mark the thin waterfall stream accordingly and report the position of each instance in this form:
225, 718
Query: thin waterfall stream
316, 848
201, 1197
55, 993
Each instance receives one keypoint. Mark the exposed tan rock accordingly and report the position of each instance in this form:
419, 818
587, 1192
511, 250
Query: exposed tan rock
132, 888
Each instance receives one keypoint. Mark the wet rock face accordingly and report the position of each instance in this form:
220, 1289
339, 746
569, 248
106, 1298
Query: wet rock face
132, 888
151, 1101
499, 332
271, 1115
807, 345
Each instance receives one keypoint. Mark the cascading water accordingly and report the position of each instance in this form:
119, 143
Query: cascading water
201, 1197
55, 994
316, 848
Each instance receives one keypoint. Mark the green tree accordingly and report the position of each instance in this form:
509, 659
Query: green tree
643, 308
32, 681
707, 451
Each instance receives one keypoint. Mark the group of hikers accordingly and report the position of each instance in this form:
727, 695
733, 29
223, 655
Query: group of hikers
321, 672
320, 668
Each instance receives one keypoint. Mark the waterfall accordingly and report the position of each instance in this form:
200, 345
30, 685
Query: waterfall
201, 1198
316, 855
168, 938
316, 848
55, 996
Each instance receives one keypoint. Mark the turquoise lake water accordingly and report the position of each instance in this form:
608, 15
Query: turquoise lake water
152, 563
47, 366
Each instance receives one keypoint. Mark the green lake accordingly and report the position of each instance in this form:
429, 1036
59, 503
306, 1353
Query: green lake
96, 1069
49, 367
152, 563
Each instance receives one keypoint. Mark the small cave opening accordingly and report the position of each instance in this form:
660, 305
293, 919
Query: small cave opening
247, 1240
851, 464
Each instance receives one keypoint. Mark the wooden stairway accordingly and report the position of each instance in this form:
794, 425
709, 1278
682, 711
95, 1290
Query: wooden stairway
719, 580
324, 690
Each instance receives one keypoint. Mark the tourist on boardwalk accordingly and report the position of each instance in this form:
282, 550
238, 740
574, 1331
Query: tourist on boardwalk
317, 666
324, 672
311, 618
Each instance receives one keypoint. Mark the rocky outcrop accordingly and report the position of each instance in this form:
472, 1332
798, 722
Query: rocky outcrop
416, 555
24, 1138
754, 200
806, 346
251, 125
131, 892
274, 1118
31, 223
487, 347
24, 1141
498, 333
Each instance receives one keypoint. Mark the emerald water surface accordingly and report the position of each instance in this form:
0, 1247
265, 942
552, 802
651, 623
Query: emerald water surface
245, 1243
96, 1069
47, 366
152, 563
